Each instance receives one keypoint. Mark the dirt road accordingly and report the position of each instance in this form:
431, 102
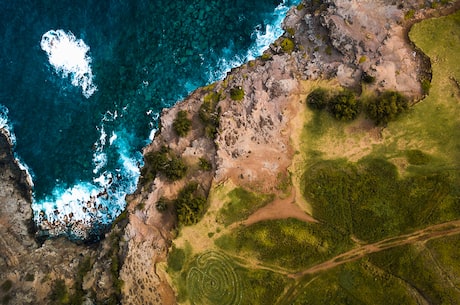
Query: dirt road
423, 235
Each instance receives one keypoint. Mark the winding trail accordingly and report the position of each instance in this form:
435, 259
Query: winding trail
432, 232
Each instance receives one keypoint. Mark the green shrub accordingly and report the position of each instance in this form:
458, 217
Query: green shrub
287, 45
409, 14
367, 78
386, 107
205, 164
345, 106
165, 162
59, 293
162, 204
209, 115
237, 93
6, 286
318, 99
176, 259
182, 124
266, 56
290, 31
417, 157
289, 243
190, 205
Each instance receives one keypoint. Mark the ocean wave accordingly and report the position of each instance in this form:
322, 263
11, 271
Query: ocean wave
7, 129
262, 36
68, 55
90, 206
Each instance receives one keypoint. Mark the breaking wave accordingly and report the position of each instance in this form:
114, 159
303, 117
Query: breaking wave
68, 55
263, 35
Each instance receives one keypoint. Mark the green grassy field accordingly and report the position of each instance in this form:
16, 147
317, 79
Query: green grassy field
288, 243
369, 200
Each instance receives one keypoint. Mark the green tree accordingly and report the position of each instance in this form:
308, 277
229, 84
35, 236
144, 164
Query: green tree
164, 161
386, 107
237, 93
190, 205
345, 106
182, 124
318, 99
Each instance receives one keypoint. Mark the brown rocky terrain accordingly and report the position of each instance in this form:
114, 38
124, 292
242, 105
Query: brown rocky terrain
252, 147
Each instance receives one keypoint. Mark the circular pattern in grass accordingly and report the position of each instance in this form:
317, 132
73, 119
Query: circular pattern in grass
212, 280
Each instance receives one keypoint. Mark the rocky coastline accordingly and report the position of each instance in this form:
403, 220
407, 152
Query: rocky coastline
251, 146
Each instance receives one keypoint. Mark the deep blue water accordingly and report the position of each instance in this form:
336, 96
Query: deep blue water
144, 56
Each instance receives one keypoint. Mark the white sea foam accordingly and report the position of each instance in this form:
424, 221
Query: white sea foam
6, 128
263, 38
5, 124
77, 208
68, 55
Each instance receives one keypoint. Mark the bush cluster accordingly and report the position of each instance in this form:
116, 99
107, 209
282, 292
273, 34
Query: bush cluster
163, 161
209, 114
237, 93
386, 107
182, 124
287, 45
190, 205
345, 106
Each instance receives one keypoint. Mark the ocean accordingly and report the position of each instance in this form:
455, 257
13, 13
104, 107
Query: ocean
83, 84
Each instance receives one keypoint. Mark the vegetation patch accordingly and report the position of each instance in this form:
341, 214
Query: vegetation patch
417, 157
288, 243
346, 106
386, 107
190, 205
209, 113
59, 293
6, 285
163, 161
371, 201
343, 106
237, 93
242, 204
182, 124
204, 164
287, 45
353, 283
214, 278
424, 269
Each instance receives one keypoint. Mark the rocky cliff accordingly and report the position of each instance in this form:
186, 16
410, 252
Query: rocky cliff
247, 142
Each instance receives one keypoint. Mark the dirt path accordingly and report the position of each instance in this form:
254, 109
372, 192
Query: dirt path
424, 235
279, 209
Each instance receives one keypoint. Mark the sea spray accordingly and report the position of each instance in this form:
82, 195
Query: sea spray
69, 57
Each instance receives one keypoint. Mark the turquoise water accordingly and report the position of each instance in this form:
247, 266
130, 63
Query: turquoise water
84, 81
